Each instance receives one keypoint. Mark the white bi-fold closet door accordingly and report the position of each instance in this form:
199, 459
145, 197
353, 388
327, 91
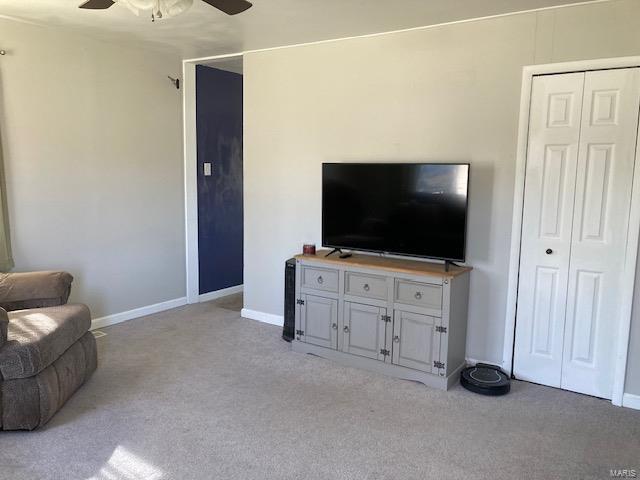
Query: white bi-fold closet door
580, 159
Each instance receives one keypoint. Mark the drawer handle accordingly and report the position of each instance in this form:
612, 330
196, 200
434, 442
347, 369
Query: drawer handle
334, 326
366, 287
346, 329
320, 280
396, 339
418, 295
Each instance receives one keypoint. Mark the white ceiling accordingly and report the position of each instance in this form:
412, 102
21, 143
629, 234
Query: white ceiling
204, 31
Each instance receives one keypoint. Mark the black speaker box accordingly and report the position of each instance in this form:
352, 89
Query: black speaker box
289, 329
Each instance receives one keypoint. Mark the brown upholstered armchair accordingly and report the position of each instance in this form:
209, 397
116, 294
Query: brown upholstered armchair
46, 349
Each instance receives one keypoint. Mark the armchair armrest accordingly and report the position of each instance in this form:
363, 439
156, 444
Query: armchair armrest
34, 289
4, 325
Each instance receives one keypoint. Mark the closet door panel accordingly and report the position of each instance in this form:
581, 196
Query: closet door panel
604, 176
554, 135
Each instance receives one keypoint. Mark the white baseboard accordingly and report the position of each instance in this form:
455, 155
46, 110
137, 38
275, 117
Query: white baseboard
474, 361
263, 317
630, 400
205, 297
137, 312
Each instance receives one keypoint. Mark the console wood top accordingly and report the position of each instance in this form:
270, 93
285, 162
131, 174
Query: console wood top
413, 267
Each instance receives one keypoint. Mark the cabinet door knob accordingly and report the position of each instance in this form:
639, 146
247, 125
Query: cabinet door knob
396, 339
346, 329
320, 280
418, 295
366, 287
334, 326
548, 251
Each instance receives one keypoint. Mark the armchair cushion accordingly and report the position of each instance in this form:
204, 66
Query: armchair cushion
34, 289
37, 337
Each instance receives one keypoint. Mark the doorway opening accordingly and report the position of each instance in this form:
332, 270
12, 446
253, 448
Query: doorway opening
213, 112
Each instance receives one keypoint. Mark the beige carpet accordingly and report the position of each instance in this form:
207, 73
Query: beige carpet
199, 393
230, 302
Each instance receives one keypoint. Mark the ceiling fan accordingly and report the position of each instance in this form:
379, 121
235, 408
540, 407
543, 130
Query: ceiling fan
167, 8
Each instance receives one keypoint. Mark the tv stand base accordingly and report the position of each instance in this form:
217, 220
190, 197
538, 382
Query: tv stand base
448, 263
342, 254
429, 379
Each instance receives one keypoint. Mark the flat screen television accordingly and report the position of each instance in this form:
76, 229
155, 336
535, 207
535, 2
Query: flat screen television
415, 209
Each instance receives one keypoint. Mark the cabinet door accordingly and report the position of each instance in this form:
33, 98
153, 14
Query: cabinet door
364, 330
319, 321
416, 343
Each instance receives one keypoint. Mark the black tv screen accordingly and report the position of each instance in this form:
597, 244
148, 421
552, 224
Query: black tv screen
417, 209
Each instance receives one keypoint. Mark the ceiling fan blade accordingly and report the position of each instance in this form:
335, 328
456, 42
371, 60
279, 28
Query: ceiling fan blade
97, 4
230, 7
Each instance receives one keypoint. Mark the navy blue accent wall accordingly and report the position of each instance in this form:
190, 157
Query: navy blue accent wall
220, 219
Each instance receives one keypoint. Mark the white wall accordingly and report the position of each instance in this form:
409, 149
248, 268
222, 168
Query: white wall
449, 93
91, 135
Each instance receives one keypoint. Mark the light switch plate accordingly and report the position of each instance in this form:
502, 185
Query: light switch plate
207, 169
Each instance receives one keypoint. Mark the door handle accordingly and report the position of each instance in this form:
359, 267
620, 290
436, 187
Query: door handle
334, 326
346, 329
548, 251
396, 339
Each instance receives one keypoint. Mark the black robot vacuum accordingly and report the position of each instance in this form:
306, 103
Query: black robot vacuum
485, 379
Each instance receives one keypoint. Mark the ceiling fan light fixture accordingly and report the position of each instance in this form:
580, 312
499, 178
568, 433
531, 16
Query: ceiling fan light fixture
179, 7
167, 8
159, 8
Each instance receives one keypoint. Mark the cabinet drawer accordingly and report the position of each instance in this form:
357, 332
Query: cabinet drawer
361, 285
320, 279
419, 294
